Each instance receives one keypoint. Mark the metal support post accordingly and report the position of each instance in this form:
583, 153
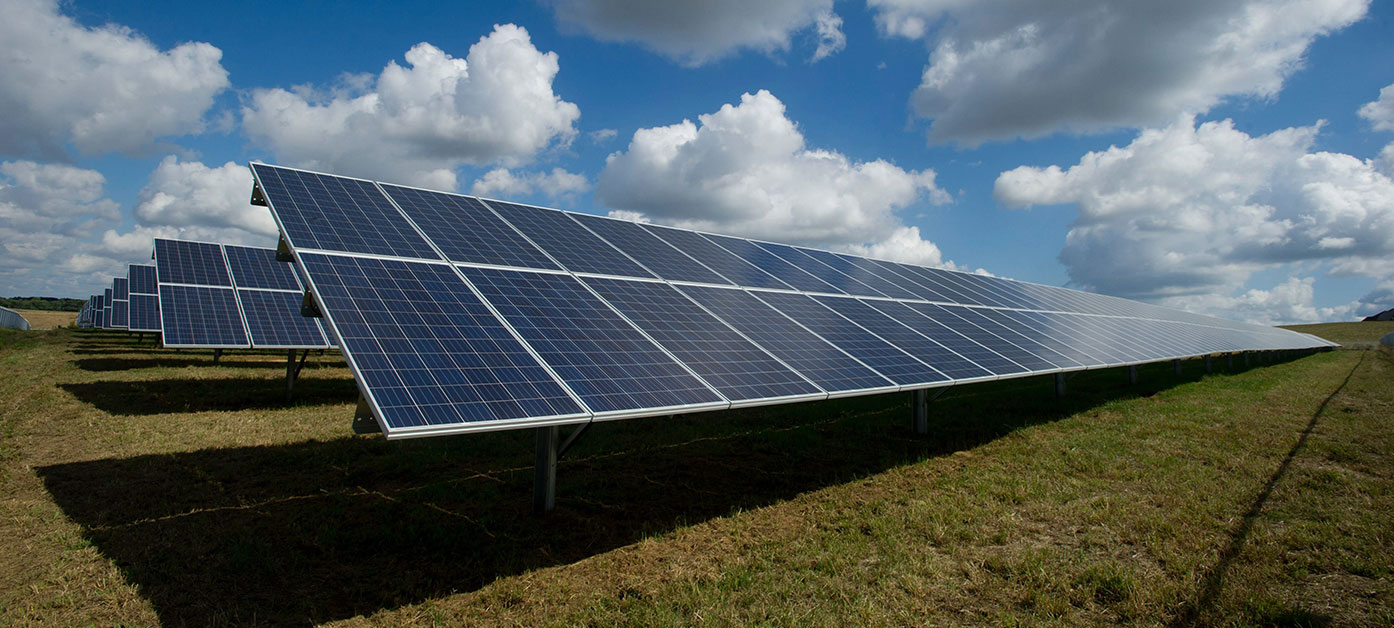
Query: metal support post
1229, 362
544, 488
1132, 375
1059, 384
1209, 368
919, 409
1246, 359
1176, 367
217, 353
293, 369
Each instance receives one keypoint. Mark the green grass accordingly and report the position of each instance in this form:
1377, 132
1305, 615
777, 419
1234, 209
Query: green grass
1362, 335
151, 487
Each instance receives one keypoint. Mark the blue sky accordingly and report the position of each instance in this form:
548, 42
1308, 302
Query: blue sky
1228, 158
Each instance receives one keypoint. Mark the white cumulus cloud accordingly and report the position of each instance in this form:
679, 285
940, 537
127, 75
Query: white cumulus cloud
1001, 69
694, 33
1191, 210
100, 90
417, 123
1289, 302
48, 212
189, 194
506, 184
745, 170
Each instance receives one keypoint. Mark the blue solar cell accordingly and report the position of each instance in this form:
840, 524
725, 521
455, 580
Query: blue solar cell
257, 268
861, 269
814, 358
142, 279
145, 312
899, 366
936, 281
467, 231
655, 254
106, 308
100, 319
1095, 341
1035, 337
198, 316
429, 353
910, 280
192, 263
319, 211
119, 289
772, 264
722, 357
119, 313
965, 346
608, 363
813, 266
900, 335
274, 320
567, 241
957, 319
734, 269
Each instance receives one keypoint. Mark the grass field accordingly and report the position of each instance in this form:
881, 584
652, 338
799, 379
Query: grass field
44, 319
1351, 335
141, 486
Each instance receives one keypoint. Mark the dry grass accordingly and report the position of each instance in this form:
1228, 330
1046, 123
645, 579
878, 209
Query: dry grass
151, 487
45, 319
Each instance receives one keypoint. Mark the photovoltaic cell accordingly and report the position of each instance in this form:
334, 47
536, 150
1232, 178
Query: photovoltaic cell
106, 308
258, 268
429, 352
601, 357
145, 312
567, 241
655, 254
949, 316
119, 314
734, 269
465, 230
772, 264
1024, 338
862, 270
274, 320
338, 214
899, 366
119, 289
898, 334
198, 316
827, 366
192, 263
722, 357
142, 279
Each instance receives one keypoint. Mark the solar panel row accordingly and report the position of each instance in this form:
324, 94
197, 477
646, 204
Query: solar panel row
228, 296
460, 314
144, 299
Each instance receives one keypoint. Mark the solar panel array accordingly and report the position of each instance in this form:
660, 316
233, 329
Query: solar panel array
144, 299
106, 318
461, 314
227, 296
120, 303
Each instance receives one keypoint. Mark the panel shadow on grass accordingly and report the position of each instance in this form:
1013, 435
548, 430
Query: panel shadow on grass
163, 396
310, 532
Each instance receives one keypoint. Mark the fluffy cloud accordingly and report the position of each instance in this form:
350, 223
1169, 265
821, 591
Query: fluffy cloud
505, 184
191, 195
1380, 115
416, 124
1187, 210
1286, 303
46, 213
745, 170
694, 33
1022, 68
97, 89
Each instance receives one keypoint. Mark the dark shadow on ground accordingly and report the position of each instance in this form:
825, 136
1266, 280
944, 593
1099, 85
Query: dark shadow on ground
162, 396
185, 360
317, 531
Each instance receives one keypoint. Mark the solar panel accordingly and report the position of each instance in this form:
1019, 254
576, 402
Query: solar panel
190, 263
567, 241
430, 353
729, 362
895, 364
200, 316
331, 213
772, 264
119, 289
120, 302
646, 248
274, 320
142, 279
608, 363
257, 268
816, 359
145, 312
542, 317
106, 309
734, 269
466, 230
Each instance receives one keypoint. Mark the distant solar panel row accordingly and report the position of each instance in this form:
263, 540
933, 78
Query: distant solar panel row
459, 314
144, 299
227, 296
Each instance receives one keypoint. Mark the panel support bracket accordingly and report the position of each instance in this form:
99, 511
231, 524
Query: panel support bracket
363, 422
309, 307
293, 369
549, 450
283, 253
258, 198
919, 408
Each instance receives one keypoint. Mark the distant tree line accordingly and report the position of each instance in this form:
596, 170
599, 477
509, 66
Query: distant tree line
52, 304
